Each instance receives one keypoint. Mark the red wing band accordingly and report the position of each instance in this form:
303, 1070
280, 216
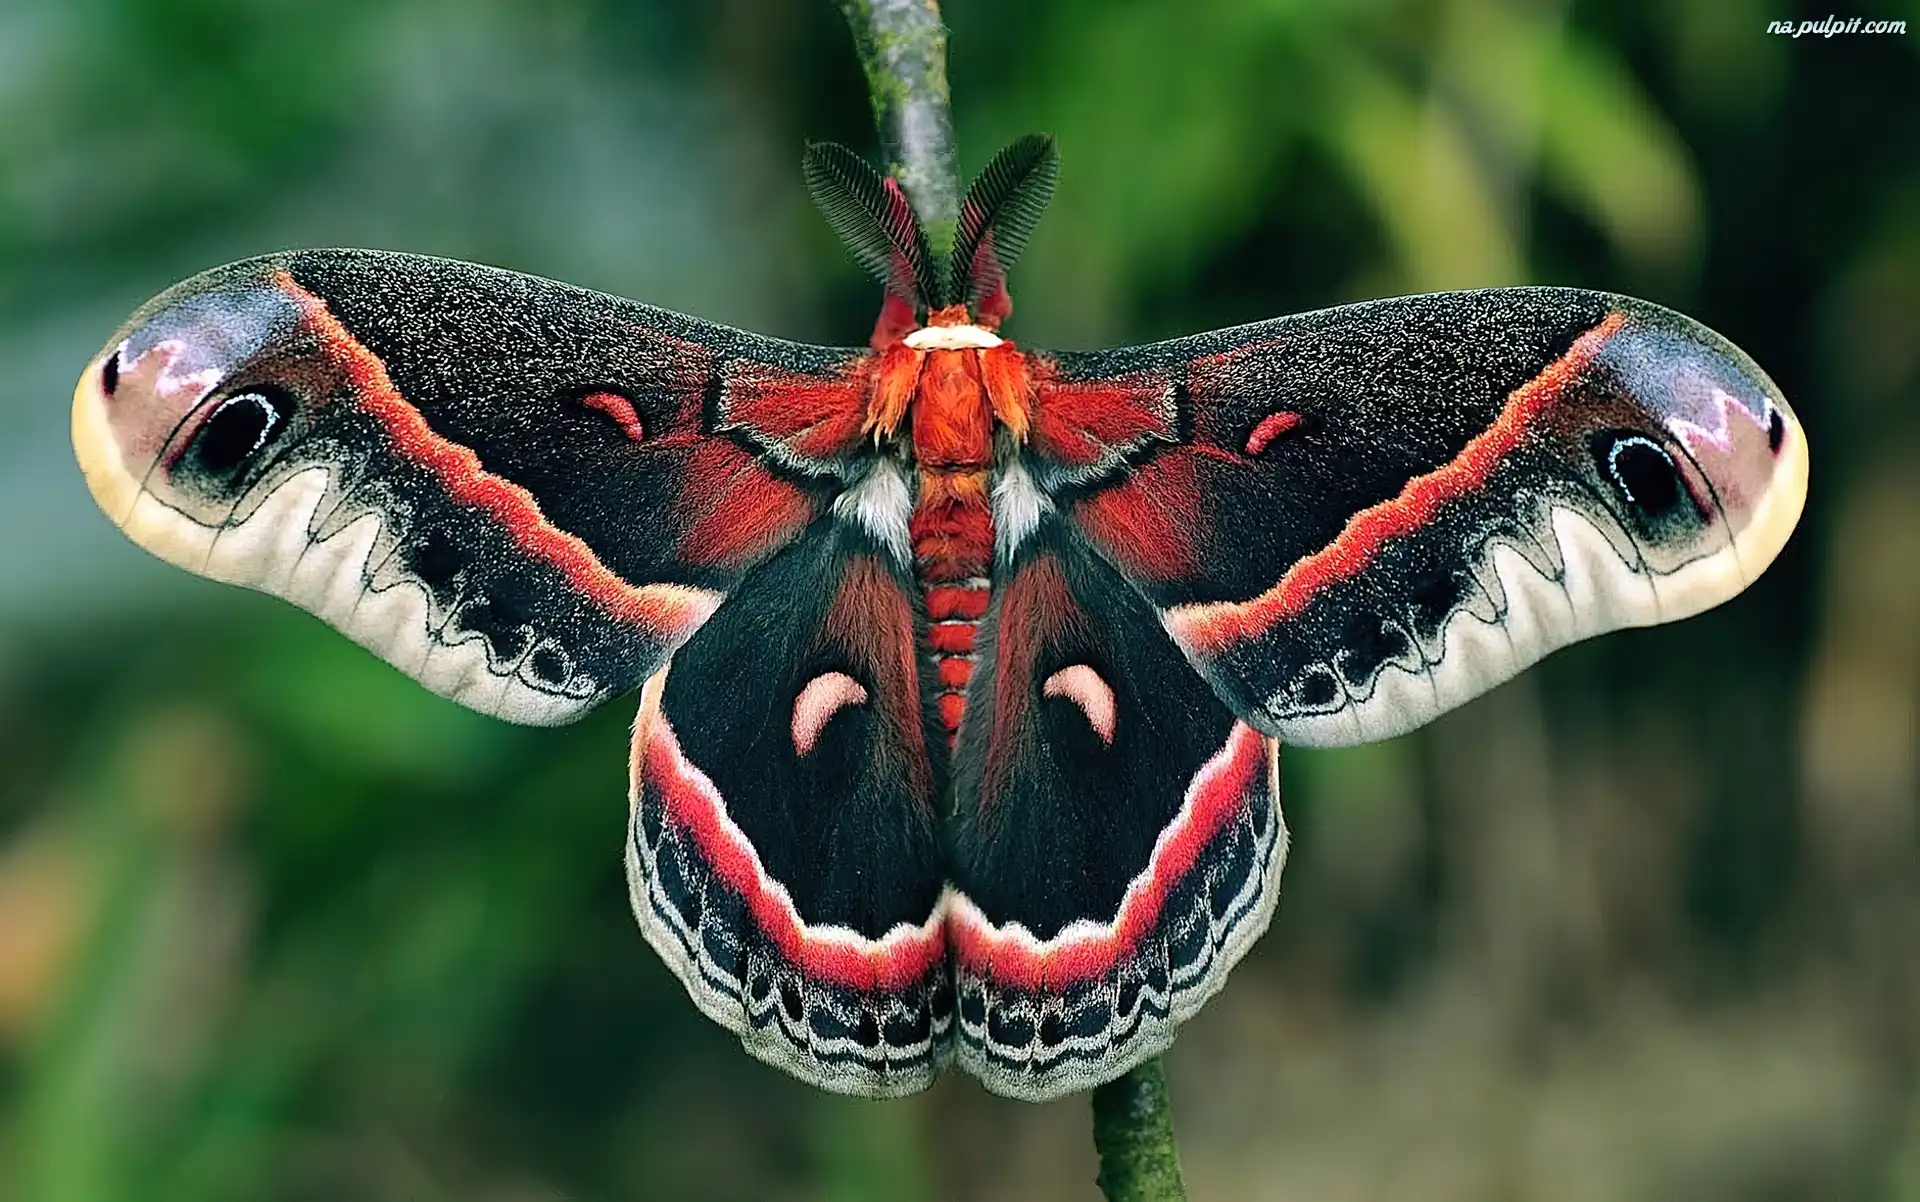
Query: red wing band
1044, 1017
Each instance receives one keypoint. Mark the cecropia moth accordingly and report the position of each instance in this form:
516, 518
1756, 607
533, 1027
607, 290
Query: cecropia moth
963, 667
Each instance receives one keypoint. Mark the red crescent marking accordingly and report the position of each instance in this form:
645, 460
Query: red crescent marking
1271, 427
825, 695
1081, 685
1210, 628
620, 409
1214, 799
902, 959
669, 611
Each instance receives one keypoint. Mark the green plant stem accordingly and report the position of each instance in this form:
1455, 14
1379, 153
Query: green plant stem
1133, 1132
903, 50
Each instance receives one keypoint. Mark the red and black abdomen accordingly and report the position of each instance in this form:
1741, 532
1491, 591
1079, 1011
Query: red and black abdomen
952, 526
952, 531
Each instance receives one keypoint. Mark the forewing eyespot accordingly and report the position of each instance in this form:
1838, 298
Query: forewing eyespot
1642, 471
239, 426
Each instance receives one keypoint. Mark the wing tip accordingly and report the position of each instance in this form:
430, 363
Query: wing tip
113, 487
1766, 533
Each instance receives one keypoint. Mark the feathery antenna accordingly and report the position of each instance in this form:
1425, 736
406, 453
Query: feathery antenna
872, 216
997, 217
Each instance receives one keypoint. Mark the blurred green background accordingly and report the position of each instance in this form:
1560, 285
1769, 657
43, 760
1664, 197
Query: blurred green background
1644, 924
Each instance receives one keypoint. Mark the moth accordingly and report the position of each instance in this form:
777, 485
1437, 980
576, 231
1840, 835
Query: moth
963, 667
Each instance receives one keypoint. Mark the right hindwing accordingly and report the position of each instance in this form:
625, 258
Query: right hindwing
1117, 835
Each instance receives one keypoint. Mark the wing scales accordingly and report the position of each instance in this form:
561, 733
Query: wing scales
1116, 833
1376, 512
783, 854
523, 494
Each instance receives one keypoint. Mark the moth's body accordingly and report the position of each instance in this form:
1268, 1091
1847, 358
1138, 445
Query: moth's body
963, 667
950, 390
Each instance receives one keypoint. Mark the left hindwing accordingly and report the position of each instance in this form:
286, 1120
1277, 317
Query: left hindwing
1353, 520
1117, 835
784, 854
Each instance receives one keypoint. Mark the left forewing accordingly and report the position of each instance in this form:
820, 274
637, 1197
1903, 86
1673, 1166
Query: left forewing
522, 494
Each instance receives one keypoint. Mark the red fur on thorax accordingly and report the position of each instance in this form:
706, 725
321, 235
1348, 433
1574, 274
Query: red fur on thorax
1009, 385
952, 535
952, 420
896, 375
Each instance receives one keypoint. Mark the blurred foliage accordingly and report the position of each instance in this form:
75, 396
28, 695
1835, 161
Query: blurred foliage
1644, 924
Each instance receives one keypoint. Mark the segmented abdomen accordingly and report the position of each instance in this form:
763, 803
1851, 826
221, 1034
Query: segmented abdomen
952, 532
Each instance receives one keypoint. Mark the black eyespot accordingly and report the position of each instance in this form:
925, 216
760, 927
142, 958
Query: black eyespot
241, 425
1641, 470
1052, 1029
549, 665
110, 374
437, 559
1776, 429
1319, 689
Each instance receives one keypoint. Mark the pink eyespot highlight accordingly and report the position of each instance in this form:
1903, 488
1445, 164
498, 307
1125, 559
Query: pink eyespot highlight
1083, 686
824, 696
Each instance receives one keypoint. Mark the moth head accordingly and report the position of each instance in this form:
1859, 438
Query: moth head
1692, 449
182, 412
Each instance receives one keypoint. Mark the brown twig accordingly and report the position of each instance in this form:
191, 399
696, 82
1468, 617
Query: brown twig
903, 50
